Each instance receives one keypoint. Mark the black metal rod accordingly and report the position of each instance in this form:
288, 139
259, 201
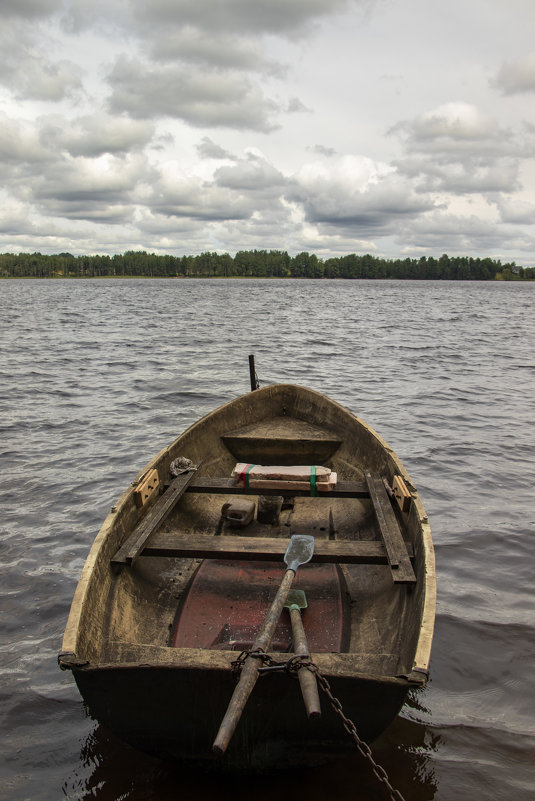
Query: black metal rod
252, 374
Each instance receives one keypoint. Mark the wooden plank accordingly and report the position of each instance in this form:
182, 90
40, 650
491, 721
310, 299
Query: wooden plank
398, 558
131, 549
147, 489
401, 494
229, 486
208, 546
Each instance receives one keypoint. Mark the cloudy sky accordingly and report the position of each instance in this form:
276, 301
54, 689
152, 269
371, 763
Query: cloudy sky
394, 127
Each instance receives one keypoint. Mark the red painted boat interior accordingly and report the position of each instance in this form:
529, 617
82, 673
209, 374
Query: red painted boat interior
227, 603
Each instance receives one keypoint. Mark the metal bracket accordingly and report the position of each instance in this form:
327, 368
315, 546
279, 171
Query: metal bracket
67, 660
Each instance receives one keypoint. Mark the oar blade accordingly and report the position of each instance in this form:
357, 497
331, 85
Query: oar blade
300, 551
296, 598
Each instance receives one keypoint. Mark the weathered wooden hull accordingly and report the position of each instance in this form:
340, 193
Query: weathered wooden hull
174, 714
170, 701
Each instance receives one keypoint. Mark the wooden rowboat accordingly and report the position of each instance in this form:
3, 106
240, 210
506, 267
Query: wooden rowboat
172, 590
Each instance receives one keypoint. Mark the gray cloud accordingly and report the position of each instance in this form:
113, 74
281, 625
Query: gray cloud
207, 149
454, 129
27, 70
30, 9
19, 144
356, 194
161, 226
183, 196
90, 210
261, 16
517, 77
516, 212
322, 150
95, 135
203, 99
377, 211
39, 79
295, 106
455, 148
93, 189
472, 175
455, 234
16, 218
225, 51
252, 174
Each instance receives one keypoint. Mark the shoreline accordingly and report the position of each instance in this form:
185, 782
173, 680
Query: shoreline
496, 279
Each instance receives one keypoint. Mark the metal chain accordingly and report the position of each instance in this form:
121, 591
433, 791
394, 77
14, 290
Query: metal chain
269, 664
292, 666
351, 729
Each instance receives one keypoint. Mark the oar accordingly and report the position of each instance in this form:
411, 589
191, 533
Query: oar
296, 601
300, 551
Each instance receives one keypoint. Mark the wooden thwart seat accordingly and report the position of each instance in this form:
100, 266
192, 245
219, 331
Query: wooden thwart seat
273, 440
229, 486
393, 551
208, 546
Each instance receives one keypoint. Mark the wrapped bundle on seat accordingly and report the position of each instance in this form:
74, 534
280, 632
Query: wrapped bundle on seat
294, 477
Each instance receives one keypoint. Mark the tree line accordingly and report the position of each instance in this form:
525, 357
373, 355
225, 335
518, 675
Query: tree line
259, 264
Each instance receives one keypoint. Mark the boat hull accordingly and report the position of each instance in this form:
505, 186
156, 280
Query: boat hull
169, 701
174, 714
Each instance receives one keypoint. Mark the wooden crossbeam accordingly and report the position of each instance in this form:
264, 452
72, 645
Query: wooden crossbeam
208, 546
146, 541
131, 549
396, 549
229, 486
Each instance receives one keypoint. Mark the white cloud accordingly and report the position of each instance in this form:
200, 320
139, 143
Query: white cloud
347, 173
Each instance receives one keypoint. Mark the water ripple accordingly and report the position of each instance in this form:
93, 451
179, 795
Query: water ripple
108, 372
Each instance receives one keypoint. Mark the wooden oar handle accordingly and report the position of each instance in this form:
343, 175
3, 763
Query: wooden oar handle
249, 672
307, 680
267, 631
242, 691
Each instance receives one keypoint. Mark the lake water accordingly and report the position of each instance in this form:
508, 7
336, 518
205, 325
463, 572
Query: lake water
97, 376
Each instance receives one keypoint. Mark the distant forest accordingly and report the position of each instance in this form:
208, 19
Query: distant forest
258, 264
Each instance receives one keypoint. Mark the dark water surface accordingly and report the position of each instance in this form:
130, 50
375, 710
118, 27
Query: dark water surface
97, 376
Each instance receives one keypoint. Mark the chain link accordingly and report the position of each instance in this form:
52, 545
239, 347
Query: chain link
292, 666
363, 748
